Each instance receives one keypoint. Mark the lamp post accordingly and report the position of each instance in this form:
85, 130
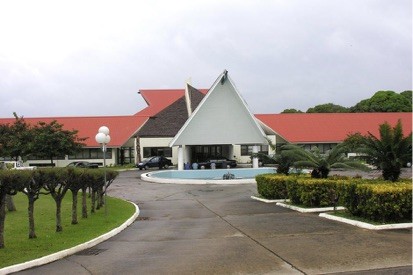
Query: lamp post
103, 138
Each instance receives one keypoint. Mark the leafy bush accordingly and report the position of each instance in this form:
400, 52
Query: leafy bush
313, 192
378, 200
273, 186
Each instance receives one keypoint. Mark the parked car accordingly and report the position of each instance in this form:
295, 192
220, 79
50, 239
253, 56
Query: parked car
219, 163
15, 165
82, 164
154, 162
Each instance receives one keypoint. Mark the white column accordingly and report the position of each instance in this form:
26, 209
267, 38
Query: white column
231, 151
135, 152
187, 154
255, 159
180, 158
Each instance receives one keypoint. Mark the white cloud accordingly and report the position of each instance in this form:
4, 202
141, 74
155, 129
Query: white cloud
91, 57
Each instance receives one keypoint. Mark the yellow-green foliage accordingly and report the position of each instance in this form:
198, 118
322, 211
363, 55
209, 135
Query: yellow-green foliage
273, 186
377, 200
314, 192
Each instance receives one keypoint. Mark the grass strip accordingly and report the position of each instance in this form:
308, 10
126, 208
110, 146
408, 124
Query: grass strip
19, 248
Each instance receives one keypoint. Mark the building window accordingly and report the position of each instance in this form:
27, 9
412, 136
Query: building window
246, 150
45, 158
91, 153
126, 155
157, 151
204, 152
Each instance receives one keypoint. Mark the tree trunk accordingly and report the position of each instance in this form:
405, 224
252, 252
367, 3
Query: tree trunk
32, 233
102, 195
84, 203
99, 199
10, 203
2, 218
92, 210
58, 215
74, 207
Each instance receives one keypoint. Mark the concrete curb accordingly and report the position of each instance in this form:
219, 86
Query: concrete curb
148, 178
268, 201
335, 218
309, 210
70, 251
367, 225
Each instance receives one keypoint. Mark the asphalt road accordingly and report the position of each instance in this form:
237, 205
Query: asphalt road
219, 229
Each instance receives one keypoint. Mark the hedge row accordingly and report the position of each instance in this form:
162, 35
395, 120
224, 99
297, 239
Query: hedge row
55, 182
376, 200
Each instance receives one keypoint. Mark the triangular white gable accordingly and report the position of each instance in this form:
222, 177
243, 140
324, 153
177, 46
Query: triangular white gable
222, 117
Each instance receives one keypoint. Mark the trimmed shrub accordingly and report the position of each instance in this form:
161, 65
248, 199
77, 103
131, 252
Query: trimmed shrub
376, 200
273, 186
379, 200
312, 192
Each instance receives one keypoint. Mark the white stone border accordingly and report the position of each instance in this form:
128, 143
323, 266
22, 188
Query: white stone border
70, 251
148, 178
269, 201
309, 210
367, 225
335, 218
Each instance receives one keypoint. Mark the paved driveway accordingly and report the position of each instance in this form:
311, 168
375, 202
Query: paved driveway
218, 229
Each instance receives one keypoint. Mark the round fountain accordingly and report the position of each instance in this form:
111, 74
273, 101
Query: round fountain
204, 176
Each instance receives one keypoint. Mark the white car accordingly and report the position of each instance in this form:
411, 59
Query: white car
15, 165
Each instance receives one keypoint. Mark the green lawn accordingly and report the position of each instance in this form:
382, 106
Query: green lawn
19, 248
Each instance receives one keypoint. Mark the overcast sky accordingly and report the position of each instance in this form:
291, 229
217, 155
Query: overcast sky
90, 58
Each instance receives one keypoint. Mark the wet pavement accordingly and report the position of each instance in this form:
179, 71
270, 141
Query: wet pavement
219, 229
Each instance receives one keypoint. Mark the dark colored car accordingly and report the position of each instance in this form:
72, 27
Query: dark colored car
82, 164
219, 163
154, 162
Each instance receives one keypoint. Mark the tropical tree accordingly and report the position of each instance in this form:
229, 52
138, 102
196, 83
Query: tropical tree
110, 177
15, 138
385, 101
96, 185
50, 140
408, 95
10, 183
77, 183
283, 163
291, 111
321, 163
57, 183
32, 189
353, 142
328, 108
389, 152
87, 180
99, 186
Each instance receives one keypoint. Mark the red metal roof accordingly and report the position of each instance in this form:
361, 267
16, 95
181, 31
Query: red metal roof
159, 99
331, 127
121, 128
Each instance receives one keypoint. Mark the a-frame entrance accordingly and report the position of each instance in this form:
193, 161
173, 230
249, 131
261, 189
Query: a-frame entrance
222, 118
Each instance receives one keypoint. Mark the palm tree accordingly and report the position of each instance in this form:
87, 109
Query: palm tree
390, 152
321, 163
